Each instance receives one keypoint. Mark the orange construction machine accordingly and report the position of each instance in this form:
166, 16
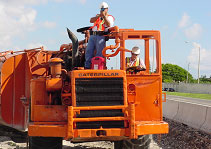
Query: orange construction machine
51, 95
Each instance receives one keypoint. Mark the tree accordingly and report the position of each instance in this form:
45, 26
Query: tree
175, 73
204, 79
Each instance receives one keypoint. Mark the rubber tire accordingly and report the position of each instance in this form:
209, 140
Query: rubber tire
18, 139
118, 144
142, 142
45, 143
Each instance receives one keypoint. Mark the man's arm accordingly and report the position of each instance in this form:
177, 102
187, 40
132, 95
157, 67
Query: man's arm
107, 23
142, 65
93, 19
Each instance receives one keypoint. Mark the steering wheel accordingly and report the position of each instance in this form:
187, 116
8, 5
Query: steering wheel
135, 69
81, 30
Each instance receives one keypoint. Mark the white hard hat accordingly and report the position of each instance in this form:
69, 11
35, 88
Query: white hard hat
103, 5
136, 50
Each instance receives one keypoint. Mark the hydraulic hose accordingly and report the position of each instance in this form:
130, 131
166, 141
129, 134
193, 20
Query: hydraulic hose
112, 47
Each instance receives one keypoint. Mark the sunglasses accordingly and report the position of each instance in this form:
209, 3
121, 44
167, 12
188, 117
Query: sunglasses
102, 9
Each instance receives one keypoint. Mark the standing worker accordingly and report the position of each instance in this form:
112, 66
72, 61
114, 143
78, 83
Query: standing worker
96, 41
135, 61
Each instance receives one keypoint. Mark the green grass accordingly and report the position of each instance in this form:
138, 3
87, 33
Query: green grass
192, 95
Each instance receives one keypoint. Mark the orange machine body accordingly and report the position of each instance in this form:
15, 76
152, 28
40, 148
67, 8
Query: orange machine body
85, 105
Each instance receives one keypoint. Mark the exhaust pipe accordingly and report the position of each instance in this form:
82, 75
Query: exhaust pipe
74, 40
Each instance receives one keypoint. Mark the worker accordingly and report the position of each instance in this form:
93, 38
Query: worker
135, 62
97, 41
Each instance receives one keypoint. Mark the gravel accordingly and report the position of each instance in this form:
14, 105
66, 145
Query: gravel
179, 136
183, 137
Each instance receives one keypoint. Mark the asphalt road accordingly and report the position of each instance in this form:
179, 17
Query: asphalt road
189, 100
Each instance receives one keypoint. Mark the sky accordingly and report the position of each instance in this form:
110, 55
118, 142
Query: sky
185, 26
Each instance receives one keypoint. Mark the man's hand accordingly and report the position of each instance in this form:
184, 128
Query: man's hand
98, 15
103, 14
139, 67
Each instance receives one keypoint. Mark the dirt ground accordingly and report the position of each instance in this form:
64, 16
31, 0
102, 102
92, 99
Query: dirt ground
7, 143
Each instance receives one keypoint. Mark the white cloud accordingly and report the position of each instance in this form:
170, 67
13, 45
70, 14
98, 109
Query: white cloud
205, 61
5, 42
23, 2
17, 18
59, 1
28, 17
194, 32
15, 21
185, 21
49, 24
35, 2
191, 30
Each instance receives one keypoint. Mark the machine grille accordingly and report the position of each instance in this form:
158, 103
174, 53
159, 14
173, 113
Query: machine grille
99, 92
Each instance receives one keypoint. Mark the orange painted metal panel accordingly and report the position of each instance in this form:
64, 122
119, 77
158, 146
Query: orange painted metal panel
147, 99
141, 128
87, 133
13, 88
47, 130
49, 113
98, 74
53, 84
151, 127
7, 82
38, 94
37, 62
60, 131
19, 87
132, 121
50, 123
17, 72
99, 119
100, 108
147, 55
70, 132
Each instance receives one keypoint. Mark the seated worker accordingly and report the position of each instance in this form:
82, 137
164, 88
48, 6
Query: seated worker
134, 63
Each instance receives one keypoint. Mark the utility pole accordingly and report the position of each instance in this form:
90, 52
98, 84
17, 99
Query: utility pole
199, 65
198, 60
188, 72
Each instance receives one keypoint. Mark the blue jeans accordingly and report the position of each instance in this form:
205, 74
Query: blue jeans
95, 42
